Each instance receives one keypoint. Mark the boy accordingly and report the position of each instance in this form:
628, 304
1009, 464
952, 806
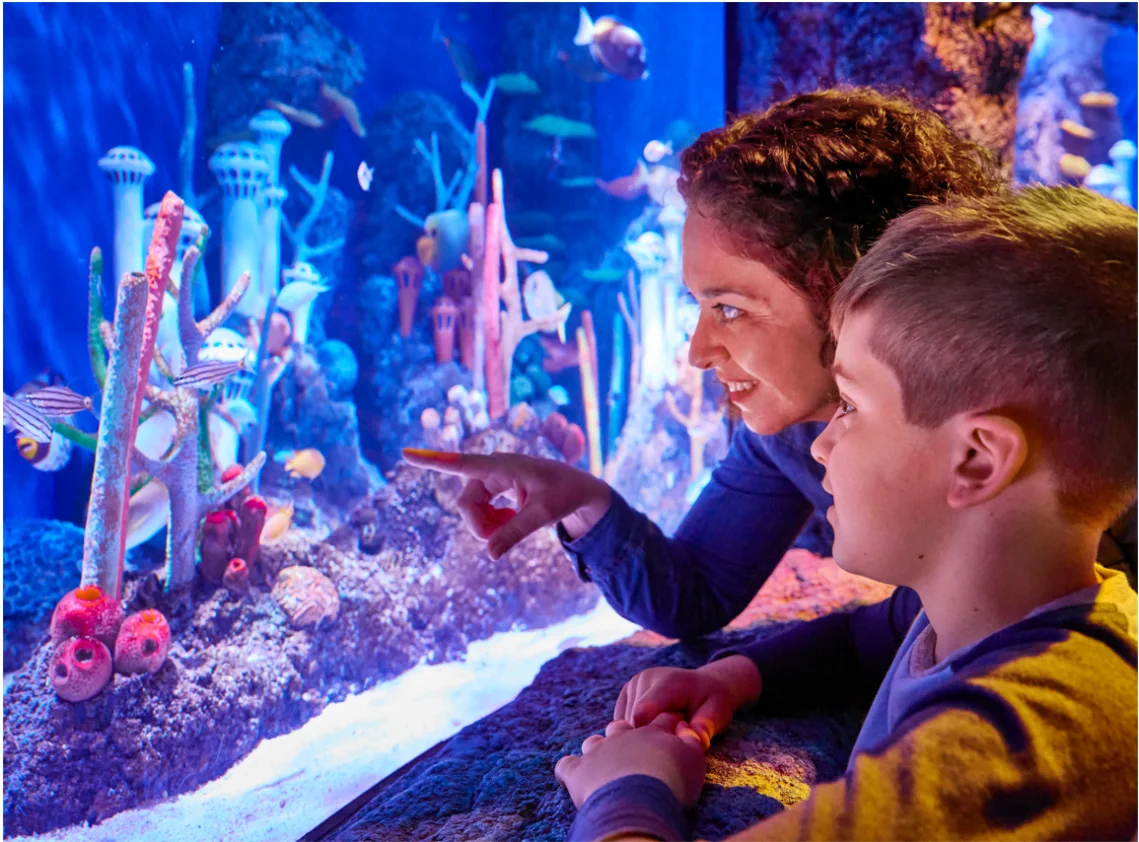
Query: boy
986, 437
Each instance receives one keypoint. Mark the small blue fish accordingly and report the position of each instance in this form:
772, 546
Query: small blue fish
206, 375
559, 396
58, 401
22, 417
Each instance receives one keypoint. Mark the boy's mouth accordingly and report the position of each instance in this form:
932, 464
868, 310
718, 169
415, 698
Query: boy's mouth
738, 390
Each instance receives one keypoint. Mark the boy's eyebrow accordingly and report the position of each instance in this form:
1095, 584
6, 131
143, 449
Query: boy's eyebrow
838, 371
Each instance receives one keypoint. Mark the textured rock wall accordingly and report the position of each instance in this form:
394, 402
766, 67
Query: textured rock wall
964, 60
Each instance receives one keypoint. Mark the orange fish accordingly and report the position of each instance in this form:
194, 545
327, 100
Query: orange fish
342, 105
306, 463
296, 115
627, 186
277, 524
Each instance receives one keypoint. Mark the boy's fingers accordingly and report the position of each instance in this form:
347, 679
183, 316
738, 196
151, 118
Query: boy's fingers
712, 716
564, 768
622, 701
591, 742
527, 520
688, 735
447, 462
667, 721
619, 726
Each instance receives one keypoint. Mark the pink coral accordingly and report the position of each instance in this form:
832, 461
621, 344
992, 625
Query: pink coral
79, 668
143, 644
217, 534
87, 612
236, 576
228, 475
250, 521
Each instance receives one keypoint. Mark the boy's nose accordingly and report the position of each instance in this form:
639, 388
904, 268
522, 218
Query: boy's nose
821, 447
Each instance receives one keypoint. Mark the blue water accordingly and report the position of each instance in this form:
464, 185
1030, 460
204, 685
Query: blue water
82, 78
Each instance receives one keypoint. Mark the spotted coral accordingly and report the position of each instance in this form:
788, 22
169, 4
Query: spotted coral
143, 643
87, 612
79, 668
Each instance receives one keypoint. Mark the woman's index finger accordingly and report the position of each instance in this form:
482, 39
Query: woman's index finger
447, 462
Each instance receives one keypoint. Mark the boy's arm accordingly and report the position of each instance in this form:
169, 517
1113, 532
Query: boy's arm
695, 583
840, 658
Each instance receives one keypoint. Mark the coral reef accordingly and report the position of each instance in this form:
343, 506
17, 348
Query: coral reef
413, 585
963, 64
493, 779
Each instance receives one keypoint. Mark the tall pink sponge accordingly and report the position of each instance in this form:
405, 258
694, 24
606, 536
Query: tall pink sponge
143, 644
79, 668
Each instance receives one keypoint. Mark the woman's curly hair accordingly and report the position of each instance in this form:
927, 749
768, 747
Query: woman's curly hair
810, 183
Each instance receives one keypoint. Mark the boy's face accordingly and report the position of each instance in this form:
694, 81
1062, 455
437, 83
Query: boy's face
888, 477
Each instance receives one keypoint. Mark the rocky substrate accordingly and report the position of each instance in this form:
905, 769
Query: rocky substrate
494, 779
413, 586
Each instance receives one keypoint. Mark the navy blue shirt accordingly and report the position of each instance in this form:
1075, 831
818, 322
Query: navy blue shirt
757, 502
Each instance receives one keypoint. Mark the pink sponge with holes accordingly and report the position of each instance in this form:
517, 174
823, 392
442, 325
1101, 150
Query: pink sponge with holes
79, 668
87, 612
143, 643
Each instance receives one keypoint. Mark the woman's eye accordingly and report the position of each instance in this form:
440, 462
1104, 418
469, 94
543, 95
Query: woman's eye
727, 312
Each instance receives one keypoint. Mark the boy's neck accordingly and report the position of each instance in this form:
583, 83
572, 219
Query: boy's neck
994, 575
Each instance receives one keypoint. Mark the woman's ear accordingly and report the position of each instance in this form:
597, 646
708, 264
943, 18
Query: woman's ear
989, 454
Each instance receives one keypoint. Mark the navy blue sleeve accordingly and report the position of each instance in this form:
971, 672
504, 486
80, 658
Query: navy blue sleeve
632, 804
840, 658
695, 583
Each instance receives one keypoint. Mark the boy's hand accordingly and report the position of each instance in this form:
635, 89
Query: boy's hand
707, 697
674, 755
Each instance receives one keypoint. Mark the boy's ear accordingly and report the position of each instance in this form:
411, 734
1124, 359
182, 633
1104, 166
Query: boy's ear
988, 455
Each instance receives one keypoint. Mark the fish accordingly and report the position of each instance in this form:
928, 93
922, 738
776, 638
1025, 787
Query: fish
581, 64
205, 375
543, 300
614, 45
516, 84
307, 463
461, 57
296, 115
364, 176
451, 232
26, 419
296, 294
147, 512
277, 524
655, 151
224, 345
627, 187
425, 249
338, 104
559, 395
58, 401
45, 457
648, 250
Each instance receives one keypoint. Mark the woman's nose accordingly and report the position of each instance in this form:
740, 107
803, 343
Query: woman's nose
703, 349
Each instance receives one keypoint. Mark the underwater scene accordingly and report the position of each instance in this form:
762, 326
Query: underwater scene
254, 251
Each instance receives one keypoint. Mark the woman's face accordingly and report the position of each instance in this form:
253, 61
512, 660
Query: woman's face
757, 333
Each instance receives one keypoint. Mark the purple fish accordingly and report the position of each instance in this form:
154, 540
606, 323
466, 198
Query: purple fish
205, 375
21, 416
58, 401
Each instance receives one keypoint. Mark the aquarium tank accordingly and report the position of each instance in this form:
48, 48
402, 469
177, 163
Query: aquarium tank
273, 244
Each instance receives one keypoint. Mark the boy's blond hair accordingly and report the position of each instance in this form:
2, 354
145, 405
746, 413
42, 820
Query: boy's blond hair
1023, 304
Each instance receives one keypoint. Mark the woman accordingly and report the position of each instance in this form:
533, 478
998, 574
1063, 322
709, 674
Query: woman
780, 206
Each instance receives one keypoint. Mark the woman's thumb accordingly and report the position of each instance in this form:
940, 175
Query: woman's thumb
514, 530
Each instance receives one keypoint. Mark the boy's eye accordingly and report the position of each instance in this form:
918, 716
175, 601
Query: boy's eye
727, 312
844, 408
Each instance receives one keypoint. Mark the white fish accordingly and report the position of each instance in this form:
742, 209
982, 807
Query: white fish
26, 419
147, 513
649, 250
296, 294
206, 375
655, 151
364, 176
542, 299
58, 401
224, 345
559, 395
240, 410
